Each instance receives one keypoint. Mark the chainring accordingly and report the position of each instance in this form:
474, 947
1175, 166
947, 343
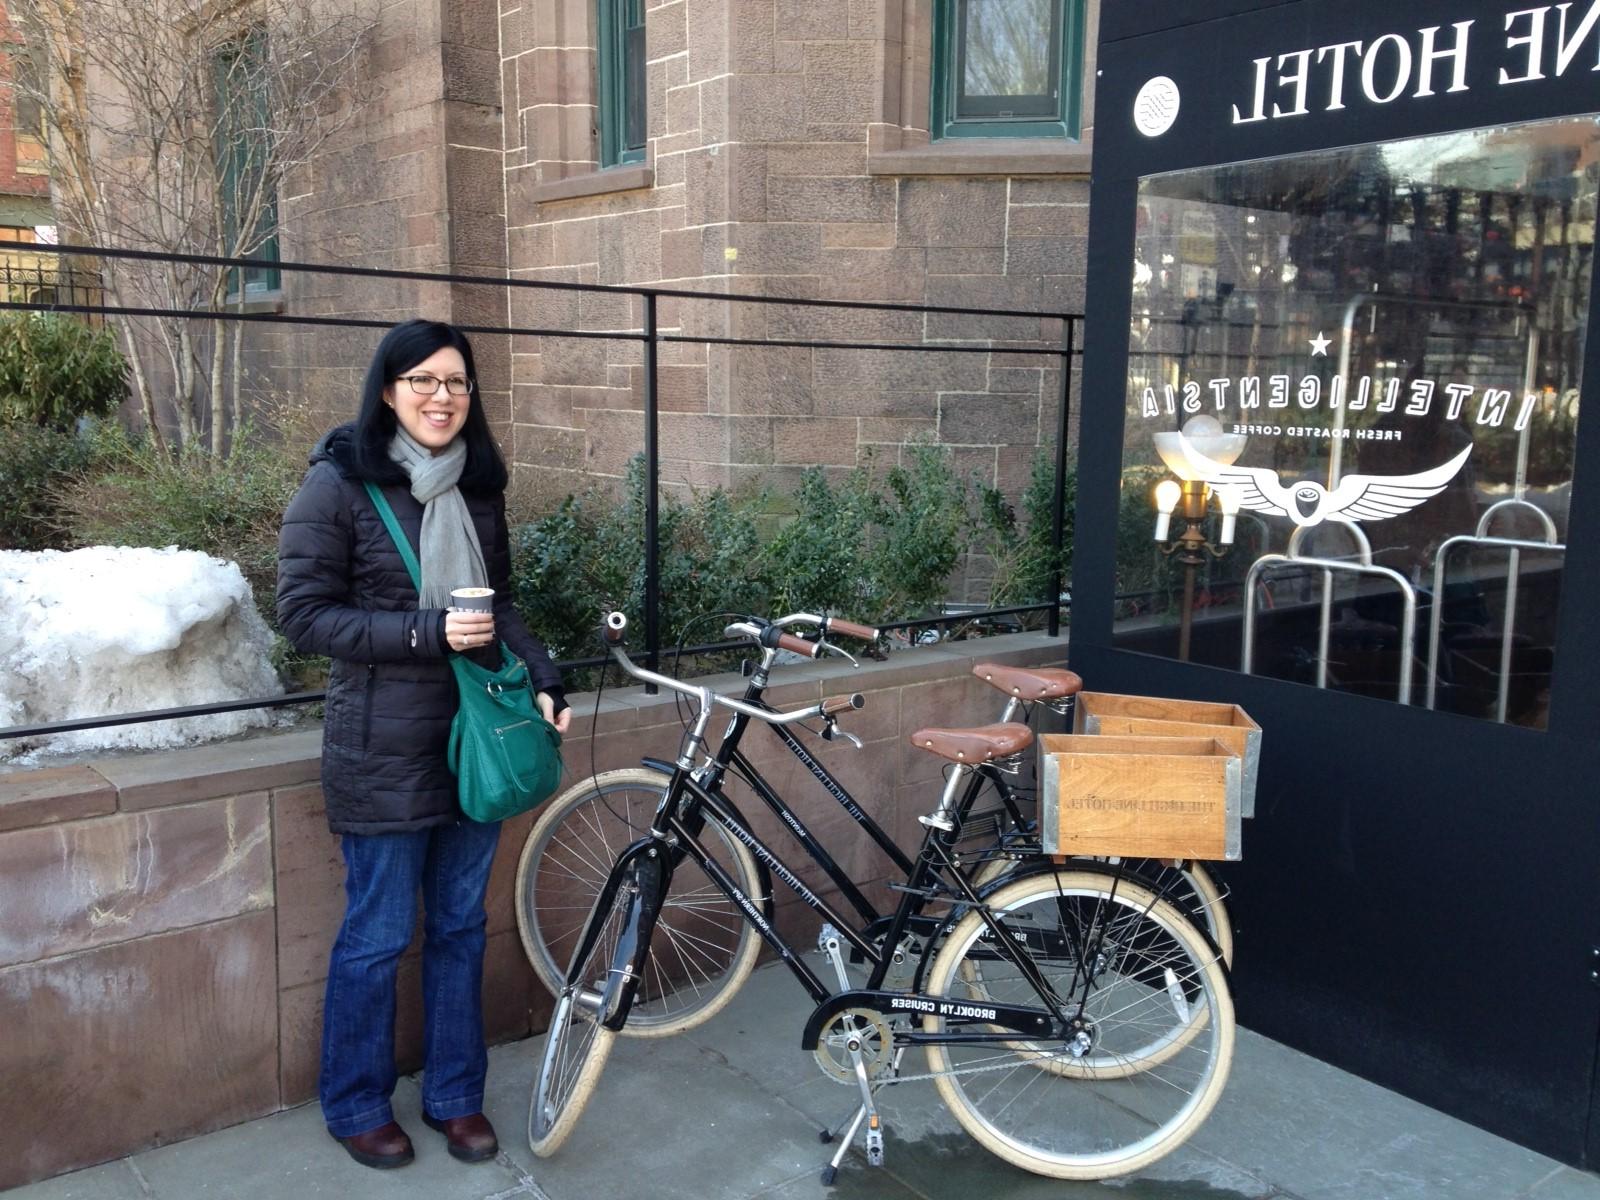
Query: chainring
876, 1040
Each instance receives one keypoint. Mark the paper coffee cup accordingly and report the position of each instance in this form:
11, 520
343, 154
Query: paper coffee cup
472, 599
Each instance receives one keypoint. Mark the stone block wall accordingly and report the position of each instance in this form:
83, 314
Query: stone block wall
167, 918
788, 155
413, 181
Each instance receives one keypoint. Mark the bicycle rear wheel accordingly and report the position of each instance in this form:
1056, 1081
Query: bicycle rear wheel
1189, 886
1152, 1039
702, 949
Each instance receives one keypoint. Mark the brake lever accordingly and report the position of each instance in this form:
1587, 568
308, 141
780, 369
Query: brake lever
827, 645
832, 733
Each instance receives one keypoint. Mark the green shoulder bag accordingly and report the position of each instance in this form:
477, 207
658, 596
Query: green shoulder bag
506, 757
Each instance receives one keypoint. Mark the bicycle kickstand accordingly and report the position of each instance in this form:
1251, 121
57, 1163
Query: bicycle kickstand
868, 1111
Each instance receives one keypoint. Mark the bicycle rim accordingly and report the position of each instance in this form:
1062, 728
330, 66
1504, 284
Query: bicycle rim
1189, 886
701, 950
1156, 1017
576, 1045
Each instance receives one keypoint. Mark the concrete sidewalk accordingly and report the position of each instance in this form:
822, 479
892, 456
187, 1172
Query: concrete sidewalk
731, 1111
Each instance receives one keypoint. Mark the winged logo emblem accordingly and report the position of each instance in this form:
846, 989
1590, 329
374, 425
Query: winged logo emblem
1306, 502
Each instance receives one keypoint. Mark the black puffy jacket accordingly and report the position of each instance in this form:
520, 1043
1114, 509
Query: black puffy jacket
344, 591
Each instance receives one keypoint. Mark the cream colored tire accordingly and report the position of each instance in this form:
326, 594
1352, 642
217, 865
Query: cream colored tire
1159, 999
702, 949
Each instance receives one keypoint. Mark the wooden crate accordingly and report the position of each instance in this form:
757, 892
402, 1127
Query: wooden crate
1158, 716
1139, 797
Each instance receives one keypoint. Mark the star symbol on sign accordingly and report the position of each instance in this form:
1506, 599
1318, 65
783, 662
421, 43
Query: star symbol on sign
1319, 345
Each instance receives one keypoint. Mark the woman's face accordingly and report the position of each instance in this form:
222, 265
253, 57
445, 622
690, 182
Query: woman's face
432, 420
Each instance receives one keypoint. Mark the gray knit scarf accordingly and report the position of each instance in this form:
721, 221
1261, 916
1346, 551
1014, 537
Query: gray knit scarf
450, 554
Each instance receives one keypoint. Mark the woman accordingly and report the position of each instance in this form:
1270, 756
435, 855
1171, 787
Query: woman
344, 591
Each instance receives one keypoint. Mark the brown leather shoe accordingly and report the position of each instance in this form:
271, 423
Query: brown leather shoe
470, 1138
384, 1147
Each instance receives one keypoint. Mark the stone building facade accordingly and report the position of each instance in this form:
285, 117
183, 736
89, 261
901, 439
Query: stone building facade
24, 167
787, 148
786, 152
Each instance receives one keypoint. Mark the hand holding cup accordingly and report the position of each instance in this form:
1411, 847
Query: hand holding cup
469, 621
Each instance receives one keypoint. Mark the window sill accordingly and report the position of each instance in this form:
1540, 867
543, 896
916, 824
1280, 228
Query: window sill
265, 302
627, 178
986, 156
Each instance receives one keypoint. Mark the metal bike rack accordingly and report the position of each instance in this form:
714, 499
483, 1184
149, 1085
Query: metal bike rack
1328, 567
1508, 629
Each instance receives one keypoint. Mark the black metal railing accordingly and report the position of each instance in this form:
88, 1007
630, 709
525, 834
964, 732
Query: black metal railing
91, 303
46, 286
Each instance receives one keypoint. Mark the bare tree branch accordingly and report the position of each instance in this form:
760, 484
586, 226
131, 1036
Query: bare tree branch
172, 125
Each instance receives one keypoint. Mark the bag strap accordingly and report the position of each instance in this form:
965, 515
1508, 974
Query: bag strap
392, 524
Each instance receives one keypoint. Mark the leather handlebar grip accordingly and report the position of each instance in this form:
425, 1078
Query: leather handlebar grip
850, 629
612, 626
798, 645
839, 704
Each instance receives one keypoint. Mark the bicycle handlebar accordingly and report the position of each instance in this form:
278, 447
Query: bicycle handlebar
612, 626
850, 629
798, 645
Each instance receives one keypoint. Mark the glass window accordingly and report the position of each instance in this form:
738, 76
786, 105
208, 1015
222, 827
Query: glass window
621, 81
244, 146
28, 113
1006, 68
1352, 402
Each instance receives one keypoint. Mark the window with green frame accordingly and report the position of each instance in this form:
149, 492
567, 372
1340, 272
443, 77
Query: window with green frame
242, 130
620, 71
1007, 68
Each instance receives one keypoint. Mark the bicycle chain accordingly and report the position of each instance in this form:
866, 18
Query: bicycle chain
1010, 1064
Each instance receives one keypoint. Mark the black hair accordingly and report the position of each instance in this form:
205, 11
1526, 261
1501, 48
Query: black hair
402, 348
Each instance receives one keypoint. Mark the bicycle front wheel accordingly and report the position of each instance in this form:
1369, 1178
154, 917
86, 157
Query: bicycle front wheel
578, 1044
1151, 1037
702, 949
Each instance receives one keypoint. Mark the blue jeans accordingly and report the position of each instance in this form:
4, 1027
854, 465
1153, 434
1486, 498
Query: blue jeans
383, 871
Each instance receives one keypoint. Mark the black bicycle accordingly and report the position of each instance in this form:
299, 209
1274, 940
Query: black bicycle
1074, 1022
703, 948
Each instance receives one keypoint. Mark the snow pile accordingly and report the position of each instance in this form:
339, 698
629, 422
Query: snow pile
110, 630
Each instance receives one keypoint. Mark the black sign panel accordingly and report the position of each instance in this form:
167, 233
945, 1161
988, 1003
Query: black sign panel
1421, 182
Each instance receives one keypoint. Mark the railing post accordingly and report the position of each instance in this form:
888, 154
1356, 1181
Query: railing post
1059, 516
652, 496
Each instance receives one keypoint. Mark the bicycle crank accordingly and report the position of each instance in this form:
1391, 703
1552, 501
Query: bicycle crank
861, 1029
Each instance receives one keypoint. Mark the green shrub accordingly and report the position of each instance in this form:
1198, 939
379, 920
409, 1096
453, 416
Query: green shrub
816, 561
1023, 556
590, 551
54, 369
38, 460
872, 549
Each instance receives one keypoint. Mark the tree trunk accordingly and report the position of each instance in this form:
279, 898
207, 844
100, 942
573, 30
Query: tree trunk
219, 406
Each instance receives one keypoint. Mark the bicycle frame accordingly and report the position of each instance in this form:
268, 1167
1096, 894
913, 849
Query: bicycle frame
671, 831
729, 755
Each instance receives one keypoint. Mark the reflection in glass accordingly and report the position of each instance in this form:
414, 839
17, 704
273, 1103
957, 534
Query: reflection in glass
1397, 332
1008, 57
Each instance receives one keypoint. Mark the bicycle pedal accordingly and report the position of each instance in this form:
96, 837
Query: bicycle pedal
874, 1141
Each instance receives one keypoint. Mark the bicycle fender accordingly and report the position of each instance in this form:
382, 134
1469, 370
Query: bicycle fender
643, 863
1028, 867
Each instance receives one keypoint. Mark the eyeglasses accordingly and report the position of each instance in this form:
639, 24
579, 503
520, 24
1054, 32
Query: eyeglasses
427, 385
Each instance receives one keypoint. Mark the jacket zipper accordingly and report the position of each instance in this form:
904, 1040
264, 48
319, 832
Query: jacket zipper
366, 712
